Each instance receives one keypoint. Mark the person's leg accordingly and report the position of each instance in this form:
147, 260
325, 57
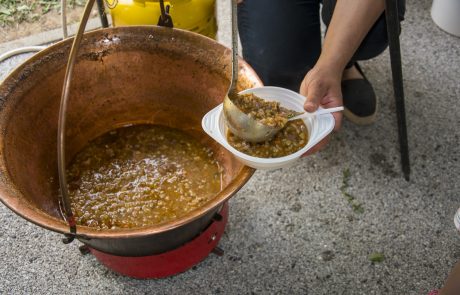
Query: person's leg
359, 99
281, 39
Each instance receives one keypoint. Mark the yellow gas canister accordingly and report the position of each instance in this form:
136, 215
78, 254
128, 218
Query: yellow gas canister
192, 15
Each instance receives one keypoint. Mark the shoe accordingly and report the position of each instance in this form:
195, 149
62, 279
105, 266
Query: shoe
359, 100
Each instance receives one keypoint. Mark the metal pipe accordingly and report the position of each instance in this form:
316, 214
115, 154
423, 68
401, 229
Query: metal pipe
64, 18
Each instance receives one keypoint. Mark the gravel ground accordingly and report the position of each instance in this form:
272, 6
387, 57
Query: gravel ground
293, 231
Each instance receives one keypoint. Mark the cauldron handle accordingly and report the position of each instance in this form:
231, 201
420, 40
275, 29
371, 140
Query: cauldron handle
165, 20
70, 218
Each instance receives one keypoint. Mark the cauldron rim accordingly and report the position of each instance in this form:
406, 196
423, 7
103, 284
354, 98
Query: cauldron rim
12, 198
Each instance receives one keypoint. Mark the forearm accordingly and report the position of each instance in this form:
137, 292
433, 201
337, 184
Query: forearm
350, 23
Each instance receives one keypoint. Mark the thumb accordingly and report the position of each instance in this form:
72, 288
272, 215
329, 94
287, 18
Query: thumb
314, 92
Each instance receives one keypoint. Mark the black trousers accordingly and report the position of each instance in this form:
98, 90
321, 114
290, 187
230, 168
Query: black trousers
282, 39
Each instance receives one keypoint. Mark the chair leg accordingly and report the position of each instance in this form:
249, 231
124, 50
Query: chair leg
102, 15
392, 19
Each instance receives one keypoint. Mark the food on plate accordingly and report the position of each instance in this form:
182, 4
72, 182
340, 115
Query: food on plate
290, 139
269, 113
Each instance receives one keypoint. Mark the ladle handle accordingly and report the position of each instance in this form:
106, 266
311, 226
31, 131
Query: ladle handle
234, 80
62, 123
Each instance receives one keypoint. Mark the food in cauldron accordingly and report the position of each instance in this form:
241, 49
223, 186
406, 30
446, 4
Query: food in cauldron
139, 176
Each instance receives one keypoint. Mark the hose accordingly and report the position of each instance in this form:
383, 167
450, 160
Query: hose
28, 49
21, 50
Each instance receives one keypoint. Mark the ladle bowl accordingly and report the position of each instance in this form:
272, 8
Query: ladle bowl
124, 75
244, 126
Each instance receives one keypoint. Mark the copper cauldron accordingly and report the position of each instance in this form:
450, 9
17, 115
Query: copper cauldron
123, 75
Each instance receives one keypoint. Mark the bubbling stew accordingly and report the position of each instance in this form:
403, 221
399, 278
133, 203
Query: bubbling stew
140, 176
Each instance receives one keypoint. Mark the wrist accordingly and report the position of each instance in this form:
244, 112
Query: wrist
333, 65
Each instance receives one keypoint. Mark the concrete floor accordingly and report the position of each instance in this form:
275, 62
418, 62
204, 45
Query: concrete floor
292, 231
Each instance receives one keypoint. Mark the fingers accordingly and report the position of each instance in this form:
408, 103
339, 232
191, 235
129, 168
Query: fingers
322, 89
338, 116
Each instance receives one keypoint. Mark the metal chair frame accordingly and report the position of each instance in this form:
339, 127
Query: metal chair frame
392, 18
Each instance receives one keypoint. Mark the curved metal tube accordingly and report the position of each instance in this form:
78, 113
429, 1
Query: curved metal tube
62, 122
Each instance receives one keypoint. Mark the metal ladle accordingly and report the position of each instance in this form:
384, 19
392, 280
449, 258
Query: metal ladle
238, 122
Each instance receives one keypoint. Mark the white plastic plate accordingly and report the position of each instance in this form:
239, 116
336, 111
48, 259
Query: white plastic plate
319, 127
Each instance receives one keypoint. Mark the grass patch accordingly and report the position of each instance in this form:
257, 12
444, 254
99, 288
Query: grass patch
18, 11
377, 257
355, 205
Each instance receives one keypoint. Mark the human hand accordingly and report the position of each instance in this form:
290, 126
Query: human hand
322, 87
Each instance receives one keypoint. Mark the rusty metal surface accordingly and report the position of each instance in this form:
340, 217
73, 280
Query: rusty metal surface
122, 76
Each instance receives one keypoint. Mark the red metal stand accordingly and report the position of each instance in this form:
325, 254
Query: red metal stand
171, 262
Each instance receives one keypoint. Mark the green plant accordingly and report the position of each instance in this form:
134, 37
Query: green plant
355, 205
376, 257
18, 11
